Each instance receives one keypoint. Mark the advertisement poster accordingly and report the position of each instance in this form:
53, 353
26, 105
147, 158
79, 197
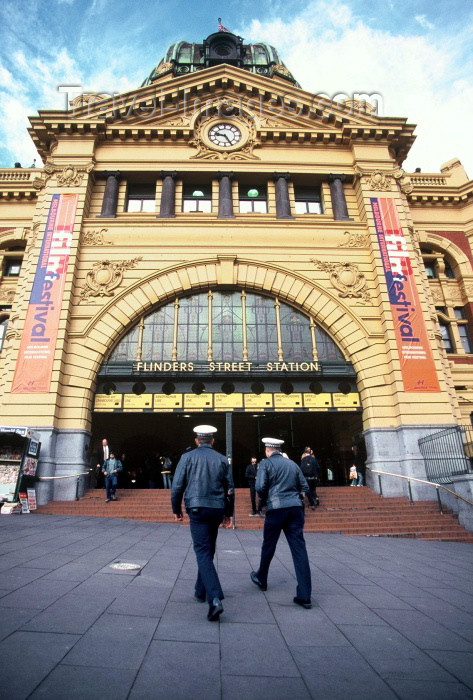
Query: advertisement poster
417, 362
31, 499
38, 341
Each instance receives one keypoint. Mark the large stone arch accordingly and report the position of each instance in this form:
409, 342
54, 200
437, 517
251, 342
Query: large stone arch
121, 313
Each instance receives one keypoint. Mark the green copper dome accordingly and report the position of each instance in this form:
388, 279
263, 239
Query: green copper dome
221, 47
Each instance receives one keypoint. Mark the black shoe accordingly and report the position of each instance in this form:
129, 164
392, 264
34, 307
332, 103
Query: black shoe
255, 579
215, 610
200, 597
303, 603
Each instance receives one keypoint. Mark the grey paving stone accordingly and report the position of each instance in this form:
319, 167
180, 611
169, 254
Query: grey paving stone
425, 690
423, 631
348, 610
187, 622
73, 614
12, 619
50, 561
81, 683
459, 664
392, 655
141, 598
27, 658
127, 637
267, 688
177, 670
18, 577
244, 651
39, 594
375, 597
332, 673
301, 627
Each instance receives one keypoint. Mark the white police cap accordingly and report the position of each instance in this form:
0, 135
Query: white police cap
272, 442
204, 430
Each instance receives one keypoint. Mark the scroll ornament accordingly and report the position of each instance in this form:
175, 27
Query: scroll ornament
346, 278
106, 276
355, 240
381, 180
95, 237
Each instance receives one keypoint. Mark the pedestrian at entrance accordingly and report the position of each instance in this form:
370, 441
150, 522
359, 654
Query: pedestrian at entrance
359, 465
111, 468
203, 477
102, 454
250, 474
281, 485
166, 471
310, 469
353, 476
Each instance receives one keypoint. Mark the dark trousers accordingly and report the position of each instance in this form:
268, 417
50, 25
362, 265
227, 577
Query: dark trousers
312, 492
252, 485
111, 482
291, 522
204, 524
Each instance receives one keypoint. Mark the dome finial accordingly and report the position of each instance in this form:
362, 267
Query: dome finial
221, 28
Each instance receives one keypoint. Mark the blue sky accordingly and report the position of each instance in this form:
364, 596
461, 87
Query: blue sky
416, 54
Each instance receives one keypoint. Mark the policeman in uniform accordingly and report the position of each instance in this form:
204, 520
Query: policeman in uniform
203, 476
280, 483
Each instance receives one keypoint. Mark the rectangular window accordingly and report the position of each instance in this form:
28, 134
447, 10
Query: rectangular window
253, 199
3, 332
446, 336
197, 198
12, 267
308, 200
463, 330
141, 198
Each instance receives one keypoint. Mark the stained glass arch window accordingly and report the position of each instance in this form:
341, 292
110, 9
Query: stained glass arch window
226, 326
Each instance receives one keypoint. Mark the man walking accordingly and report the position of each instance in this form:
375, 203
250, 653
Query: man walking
280, 483
310, 469
203, 477
111, 468
250, 474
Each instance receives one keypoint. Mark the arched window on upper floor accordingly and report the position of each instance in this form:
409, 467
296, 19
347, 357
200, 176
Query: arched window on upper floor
226, 326
454, 313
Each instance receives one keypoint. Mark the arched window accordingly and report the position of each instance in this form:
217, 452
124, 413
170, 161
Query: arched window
225, 326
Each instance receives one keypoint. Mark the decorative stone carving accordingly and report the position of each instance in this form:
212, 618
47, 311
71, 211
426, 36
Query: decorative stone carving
437, 296
69, 177
453, 293
360, 106
243, 153
346, 278
7, 296
40, 181
106, 276
468, 288
95, 237
355, 240
87, 98
163, 68
382, 180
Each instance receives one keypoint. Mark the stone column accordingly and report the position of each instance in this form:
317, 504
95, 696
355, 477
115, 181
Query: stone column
110, 196
283, 206
339, 203
168, 195
225, 198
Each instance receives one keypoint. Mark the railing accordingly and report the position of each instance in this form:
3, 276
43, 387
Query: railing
67, 476
420, 481
447, 453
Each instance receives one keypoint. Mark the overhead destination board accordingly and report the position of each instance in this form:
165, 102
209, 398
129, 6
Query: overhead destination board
346, 401
108, 402
258, 402
228, 402
318, 402
167, 402
197, 402
134, 402
287, 402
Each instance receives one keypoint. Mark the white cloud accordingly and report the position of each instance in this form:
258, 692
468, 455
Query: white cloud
424, 79
424, 22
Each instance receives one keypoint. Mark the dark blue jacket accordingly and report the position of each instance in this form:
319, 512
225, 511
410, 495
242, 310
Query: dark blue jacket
280, 482
203, 476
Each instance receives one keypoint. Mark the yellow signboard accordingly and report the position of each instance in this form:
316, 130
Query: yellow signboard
346, 400
108, 402
197, 402
318, 402
167, 402
258, 402
287, 401
134, 402
227, 402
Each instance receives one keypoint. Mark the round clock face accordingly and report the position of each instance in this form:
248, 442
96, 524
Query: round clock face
224, 135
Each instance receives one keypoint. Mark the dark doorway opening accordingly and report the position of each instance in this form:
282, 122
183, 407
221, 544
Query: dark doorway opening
139, 435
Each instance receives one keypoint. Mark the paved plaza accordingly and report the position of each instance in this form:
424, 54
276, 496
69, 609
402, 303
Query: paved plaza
393, 618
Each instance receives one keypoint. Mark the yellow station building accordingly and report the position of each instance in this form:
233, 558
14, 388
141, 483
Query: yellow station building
221, 246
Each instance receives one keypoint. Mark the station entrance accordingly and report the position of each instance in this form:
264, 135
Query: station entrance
138, 436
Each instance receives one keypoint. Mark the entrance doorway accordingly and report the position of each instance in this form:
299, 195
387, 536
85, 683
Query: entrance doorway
139, 435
